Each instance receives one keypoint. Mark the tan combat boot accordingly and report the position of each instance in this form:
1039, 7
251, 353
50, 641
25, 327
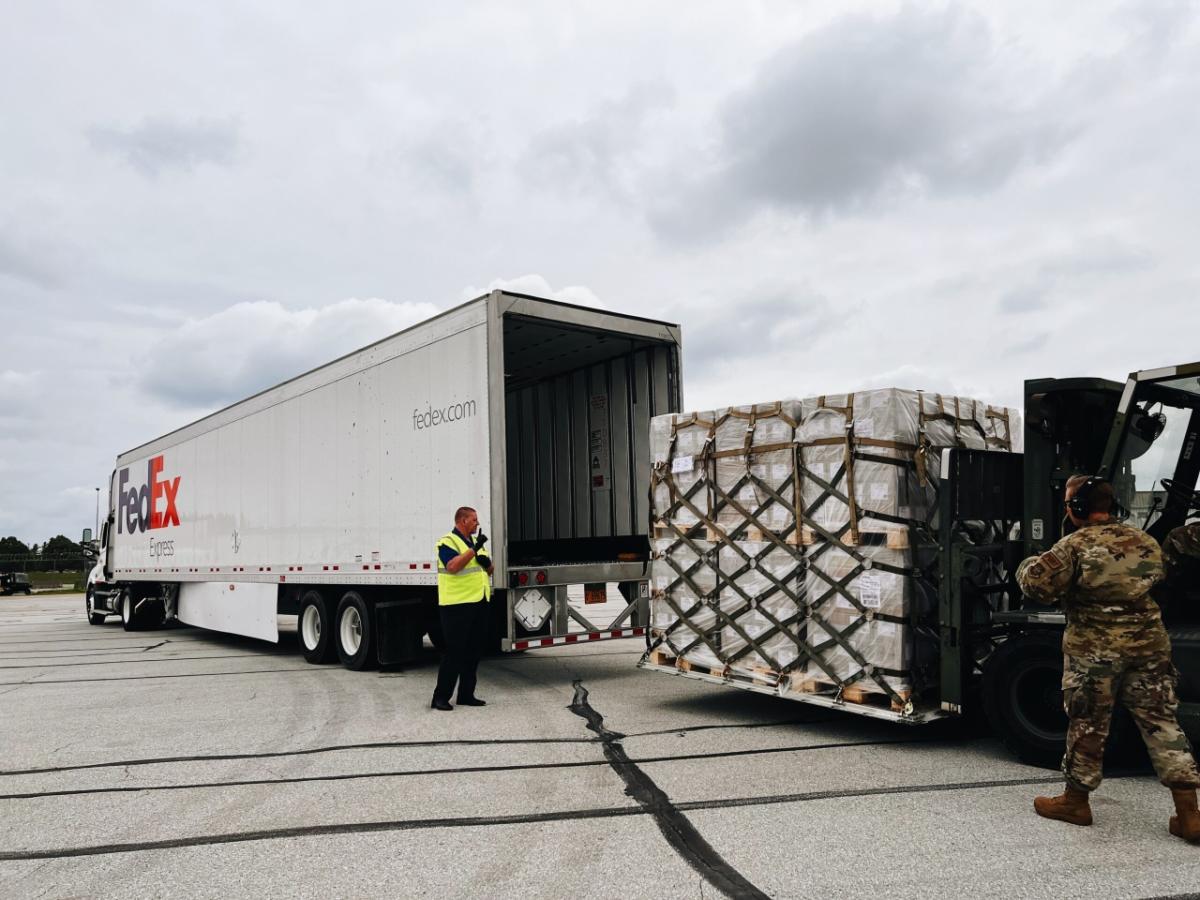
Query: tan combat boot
1071, 807
1186, 821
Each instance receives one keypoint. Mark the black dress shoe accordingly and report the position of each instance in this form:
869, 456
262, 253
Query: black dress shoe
443, 705
471, 701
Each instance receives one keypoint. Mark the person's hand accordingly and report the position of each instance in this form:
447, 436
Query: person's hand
480, 540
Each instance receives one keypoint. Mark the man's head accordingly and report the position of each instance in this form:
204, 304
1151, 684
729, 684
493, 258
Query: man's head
465, 520
1096, 497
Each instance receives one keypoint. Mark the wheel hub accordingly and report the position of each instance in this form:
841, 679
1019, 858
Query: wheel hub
351, 631
310, 628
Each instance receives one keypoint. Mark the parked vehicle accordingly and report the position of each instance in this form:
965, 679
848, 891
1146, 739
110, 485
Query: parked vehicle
15, 583
323, 496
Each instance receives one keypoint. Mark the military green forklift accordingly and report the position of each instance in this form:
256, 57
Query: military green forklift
997, 508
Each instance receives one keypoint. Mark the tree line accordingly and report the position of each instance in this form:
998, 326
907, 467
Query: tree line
58, 554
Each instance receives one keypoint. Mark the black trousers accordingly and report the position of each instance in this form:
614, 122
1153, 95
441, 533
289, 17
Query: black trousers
465, 631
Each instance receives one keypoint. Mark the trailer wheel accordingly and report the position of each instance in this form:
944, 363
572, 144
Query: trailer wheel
127, 614
94, 618
315, 629
433, 628
1022, 697
355, 635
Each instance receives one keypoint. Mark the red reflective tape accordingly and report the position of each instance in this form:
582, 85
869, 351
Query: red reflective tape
412, 565
570, 639
521, 645
593, 636
638, 632
299, 568
427, 566
377, 566
335, 568
547, 642
324, 568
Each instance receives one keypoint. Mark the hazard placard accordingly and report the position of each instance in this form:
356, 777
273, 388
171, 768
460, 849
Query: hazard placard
595, 593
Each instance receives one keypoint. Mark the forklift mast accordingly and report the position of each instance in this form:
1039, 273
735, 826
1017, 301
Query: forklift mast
1067, 426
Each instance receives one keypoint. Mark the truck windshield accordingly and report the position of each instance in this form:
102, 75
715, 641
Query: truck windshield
1156, 428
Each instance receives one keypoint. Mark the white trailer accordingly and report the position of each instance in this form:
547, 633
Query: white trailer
323, 496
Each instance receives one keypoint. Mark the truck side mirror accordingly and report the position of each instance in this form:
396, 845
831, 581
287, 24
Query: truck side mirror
87, 536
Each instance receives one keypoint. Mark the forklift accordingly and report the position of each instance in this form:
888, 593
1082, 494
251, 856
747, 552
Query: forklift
1002, 650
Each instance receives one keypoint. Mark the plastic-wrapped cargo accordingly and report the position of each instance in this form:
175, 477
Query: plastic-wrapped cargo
793, 542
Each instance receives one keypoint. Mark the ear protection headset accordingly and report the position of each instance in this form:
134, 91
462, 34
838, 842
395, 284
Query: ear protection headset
1081, 501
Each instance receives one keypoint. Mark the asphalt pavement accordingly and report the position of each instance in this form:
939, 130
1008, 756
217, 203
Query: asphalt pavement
181, 763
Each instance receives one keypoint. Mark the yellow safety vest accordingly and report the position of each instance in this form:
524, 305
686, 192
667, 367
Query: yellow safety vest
467, 585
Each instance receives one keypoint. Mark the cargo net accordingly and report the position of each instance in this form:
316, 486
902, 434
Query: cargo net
793, 542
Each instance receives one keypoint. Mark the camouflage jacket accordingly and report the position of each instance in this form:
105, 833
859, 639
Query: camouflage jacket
1102, 575
1181, 552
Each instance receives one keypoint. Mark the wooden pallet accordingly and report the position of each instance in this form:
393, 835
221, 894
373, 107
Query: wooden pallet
864, 693
661, 658
894, 538
717, 535
757, 535
713, 535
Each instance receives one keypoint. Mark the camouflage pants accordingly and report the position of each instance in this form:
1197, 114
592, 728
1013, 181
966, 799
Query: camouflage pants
1145, 687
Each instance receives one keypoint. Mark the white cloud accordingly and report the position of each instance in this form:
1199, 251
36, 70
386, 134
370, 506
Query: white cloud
537, 286
221, 358
160, 143
18, 395
869, 108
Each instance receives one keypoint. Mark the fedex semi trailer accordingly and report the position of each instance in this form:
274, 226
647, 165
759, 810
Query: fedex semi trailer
323, 497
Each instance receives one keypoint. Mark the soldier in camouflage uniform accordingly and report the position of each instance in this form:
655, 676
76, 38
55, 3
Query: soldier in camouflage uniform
1115, 648
1181, 553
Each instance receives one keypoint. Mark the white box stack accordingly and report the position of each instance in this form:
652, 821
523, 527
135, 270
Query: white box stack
822, 600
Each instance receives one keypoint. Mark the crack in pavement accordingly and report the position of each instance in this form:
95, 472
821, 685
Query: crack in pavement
674, 825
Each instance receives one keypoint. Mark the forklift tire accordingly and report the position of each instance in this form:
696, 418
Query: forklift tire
1022, 697
94, 618
314, 627
354, 632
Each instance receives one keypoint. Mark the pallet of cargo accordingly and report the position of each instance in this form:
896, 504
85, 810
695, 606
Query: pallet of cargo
788, 554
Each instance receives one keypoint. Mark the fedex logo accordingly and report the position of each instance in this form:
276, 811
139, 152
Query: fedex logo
152, 505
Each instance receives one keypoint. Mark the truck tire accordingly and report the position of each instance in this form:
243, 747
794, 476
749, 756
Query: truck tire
1022, 698
354, 634
126, 611
94, 618
314, 627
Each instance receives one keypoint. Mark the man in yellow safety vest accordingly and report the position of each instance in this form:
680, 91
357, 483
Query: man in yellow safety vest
463, 594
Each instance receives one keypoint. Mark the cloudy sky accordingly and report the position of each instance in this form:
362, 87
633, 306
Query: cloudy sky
199, 200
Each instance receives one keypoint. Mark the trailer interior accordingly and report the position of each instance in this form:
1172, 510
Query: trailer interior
578, 405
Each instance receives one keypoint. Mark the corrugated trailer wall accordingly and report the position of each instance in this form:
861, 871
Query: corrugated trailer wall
551, 428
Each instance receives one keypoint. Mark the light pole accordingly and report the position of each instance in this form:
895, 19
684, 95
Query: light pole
96, 533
